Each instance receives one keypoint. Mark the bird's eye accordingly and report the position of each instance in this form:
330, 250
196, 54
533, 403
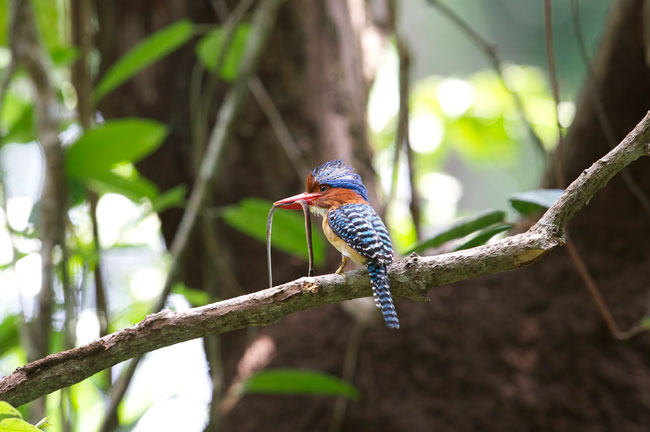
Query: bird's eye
323, 188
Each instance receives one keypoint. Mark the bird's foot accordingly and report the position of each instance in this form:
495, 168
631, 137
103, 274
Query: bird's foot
340, 271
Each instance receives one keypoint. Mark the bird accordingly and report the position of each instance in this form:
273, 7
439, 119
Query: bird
336, 192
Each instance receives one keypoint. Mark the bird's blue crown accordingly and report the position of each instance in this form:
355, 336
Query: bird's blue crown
337, 175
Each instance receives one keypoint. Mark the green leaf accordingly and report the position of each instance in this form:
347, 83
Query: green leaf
130, 315
193, 296
460, 229
534, 201
483, 237
209, 48
64, 56
645, 323
22, 126
4, 22
135, 188
8, 333
6, 410
174, 197
249, 217
49, 17
153, 48
297, 381
123, 140
17, 425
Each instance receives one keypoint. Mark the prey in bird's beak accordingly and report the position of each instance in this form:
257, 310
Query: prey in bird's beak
291, 203
297, 202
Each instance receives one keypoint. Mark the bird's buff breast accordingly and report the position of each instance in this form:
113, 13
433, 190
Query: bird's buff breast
341, 245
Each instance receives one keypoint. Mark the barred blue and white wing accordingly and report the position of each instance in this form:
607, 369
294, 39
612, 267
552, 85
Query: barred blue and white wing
363, 231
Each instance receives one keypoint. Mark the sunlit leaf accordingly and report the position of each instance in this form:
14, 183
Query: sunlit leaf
483, 237
249, 217
460, 229
6, 410
64, 56
135, 188
534, 201
153, 48
208, 50
174, 197
298, 381
20, 128
4, 22
17, 425
193, 296
8, 333
130, 315
48, 16
123, 140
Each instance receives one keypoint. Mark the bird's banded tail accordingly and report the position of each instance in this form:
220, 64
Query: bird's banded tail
381, 293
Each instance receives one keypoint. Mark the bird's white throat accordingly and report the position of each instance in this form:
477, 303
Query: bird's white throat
318, 211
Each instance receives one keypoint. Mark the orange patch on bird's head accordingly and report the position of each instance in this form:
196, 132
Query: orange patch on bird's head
334, 197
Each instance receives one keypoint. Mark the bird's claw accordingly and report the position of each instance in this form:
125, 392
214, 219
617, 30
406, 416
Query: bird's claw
340, 272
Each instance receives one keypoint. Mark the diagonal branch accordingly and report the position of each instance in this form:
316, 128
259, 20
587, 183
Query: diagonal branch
411, 278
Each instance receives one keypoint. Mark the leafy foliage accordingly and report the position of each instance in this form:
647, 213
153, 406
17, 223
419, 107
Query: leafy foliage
531, 202
93, 158
8, 333
209, 51
153, 48
298, 381
12, 421
460, 229
101, 148
484, 236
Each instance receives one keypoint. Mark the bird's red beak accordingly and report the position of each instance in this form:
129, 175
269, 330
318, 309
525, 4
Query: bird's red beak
291, 202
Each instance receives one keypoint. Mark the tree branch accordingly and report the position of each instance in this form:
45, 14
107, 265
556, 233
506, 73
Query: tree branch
411, 278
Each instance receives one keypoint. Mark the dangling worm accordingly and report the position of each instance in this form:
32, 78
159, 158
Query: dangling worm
269, 223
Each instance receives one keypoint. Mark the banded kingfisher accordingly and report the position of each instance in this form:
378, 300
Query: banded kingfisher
335, 192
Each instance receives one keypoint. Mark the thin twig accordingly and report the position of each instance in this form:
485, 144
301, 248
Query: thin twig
598, 297
489, 50
550, 55
212, 348
577, 259
411, 277
402, 116
261, 26
349, 368
265, 102
81, 19
116, 394
228, 28
279, 126
402, 139
599, 106
25, 47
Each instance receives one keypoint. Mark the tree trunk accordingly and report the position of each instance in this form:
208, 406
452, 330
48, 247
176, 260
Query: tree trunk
314, 73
